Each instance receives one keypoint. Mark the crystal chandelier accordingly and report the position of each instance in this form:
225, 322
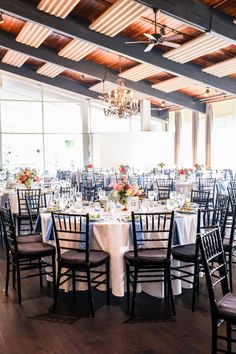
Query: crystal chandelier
120, 103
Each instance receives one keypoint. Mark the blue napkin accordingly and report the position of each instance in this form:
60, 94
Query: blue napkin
49, 235
38, 225
139, 235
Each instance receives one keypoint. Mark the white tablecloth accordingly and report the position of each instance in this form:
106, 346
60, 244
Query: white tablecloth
185, 187
113, 237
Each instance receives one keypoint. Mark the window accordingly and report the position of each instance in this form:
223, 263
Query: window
40, 128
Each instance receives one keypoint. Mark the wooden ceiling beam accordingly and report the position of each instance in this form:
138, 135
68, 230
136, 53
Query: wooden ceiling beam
96, 70
198, 15
75, 28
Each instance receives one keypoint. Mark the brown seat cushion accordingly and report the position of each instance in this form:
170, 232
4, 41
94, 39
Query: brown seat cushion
35, 249
76, 257
147, 256
185, 252
29, 238
227, 306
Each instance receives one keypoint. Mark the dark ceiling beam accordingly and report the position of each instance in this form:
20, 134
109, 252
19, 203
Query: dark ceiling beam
75, 28
98, 71
59, 82
198, 15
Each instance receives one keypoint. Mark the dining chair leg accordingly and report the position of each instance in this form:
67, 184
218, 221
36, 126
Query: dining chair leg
134, 290
195, 284
229, 338
214, 337
90, 294
170, 291
40, 274
108, 281
128, 285
166, 288
73, 285
18, 281
7, 274
13, 273
57, 287
53, 275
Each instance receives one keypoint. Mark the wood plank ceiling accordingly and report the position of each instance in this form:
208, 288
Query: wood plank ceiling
89, 10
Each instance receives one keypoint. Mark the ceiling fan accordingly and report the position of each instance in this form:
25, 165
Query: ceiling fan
158, 38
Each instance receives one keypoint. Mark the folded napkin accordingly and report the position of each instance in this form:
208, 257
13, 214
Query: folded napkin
49, 234
139, 235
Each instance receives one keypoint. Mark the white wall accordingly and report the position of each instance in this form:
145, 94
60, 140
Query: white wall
138, 149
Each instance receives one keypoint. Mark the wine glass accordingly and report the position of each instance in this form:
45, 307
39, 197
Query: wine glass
170, 204
63, 203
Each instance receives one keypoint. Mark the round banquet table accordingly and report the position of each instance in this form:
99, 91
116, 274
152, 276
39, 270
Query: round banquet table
113, 236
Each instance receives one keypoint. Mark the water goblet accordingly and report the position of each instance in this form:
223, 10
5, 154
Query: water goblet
170, 204
144, 206
151, 195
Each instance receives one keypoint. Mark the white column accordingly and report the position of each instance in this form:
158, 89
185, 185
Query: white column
85, 111
178, 131
145, 112
208, 136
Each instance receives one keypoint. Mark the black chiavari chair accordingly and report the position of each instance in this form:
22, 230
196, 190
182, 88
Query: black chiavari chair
152, 237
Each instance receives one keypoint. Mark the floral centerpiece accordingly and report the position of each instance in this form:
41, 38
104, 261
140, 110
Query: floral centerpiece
27, 176
123, 169
161, 165
199, 167
89, 166
184, 172
122, 190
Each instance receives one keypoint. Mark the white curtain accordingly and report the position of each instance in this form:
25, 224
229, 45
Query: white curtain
195, 136
178, 128
209, 129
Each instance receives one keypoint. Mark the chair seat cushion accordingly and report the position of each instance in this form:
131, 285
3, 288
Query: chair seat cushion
31, 249
76, 257
185, 253
29, 238
147, 256
227, 306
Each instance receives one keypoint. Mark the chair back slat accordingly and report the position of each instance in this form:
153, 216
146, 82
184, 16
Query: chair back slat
8, 229
71, 228
152, 231
200, 197
21, 198
214, 263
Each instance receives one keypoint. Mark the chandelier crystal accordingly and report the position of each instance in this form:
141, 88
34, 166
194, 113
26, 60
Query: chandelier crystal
119, 103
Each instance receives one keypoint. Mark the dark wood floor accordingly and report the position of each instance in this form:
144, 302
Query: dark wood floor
32, 328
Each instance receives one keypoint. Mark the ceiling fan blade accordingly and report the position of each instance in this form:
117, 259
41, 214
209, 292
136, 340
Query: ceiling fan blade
136, 42
149, 47
170, 44
173, 38
150, 36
